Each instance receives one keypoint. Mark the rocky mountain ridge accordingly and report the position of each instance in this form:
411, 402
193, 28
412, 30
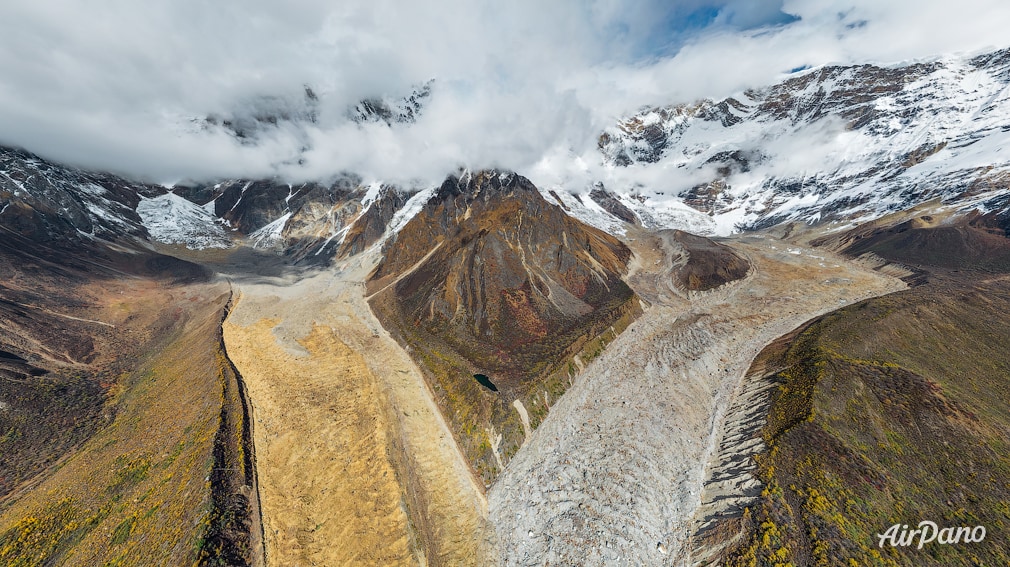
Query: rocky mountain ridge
307, 222
48, 202
836, 143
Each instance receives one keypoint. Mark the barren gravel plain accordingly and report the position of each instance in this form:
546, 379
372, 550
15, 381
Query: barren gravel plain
356, 465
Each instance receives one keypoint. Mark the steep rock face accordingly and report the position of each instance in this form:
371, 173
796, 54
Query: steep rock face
644, 137
490, 279
46, 202
250, 205
390, 110
371, 224
610, 203
847, 143
322, 229
308, 222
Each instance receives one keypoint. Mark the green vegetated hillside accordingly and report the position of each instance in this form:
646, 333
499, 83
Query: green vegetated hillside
894, 411
124, 439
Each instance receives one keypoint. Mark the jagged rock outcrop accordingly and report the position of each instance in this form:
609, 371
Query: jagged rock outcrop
392, 110
373, 222
612, 204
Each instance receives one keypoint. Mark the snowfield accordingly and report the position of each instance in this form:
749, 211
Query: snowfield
830, 143
170, 219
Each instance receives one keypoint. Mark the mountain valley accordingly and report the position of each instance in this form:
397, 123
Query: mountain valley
790, 339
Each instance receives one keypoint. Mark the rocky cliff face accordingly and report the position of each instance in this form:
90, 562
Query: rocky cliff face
392, 110
45, 202
308, 222
828, 144
490, 279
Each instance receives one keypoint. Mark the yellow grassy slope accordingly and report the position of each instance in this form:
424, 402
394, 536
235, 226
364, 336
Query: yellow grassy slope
138, 492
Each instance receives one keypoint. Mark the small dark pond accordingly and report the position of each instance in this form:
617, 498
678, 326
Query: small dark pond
486, 382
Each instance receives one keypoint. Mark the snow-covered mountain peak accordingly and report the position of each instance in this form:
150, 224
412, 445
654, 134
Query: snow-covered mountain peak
833, 143
393, 110
841, 144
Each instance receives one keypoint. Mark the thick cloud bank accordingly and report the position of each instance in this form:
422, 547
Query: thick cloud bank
526, 85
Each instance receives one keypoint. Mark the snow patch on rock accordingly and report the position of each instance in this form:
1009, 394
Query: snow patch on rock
172, 219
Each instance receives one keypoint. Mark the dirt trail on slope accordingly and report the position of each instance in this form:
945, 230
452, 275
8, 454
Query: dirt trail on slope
356, 465
616, 472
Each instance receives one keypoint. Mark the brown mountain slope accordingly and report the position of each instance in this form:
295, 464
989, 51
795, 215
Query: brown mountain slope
977, 242
709, 264
490, 279
122, 427
894, 411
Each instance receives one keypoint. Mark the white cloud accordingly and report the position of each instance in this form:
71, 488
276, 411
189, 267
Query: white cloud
525, 85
